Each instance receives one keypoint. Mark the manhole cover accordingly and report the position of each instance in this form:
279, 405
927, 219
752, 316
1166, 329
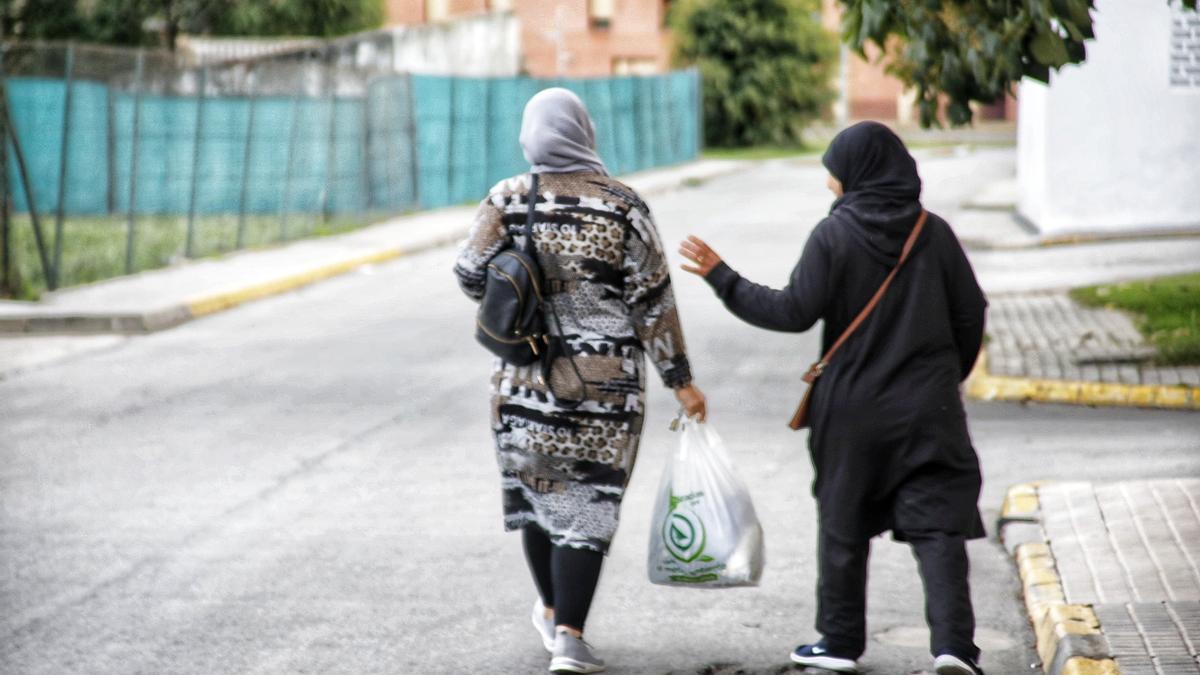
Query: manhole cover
918, 636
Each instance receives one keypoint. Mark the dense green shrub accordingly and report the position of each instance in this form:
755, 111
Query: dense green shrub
766, 66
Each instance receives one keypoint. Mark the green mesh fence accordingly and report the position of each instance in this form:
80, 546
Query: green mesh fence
135, 160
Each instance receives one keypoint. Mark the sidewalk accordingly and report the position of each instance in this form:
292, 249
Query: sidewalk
1042, 346
159, 299
1110, 573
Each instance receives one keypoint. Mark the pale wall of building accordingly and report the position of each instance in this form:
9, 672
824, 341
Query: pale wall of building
484, 44
1112, 145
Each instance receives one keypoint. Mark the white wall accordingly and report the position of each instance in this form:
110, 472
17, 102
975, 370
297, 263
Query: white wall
484, 45
1111, 146
478, 46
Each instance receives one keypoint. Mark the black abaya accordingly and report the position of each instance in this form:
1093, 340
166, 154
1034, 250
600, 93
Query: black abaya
888, 435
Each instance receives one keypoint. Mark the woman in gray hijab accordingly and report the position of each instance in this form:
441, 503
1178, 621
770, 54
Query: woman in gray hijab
564, 467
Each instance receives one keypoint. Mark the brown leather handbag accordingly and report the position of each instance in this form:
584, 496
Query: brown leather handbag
800, 419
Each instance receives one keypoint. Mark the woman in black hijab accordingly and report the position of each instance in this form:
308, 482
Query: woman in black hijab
888, 436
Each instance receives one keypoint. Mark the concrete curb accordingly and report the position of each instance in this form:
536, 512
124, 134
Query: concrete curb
1076, 239
171, 316
986, 387
219, 302
1034, 240
1070, 640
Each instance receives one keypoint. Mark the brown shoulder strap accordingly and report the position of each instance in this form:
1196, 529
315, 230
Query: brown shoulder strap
815, 370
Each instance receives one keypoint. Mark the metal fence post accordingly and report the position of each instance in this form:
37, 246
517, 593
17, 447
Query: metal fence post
64, 160
189, 248
7, 285
487, 135
616, 125
131, 228
675, 149
331, 157
110, 147
391, 132
23, 171
291, 149
452, 121
247, 155
698, 102
413, 146
366, 150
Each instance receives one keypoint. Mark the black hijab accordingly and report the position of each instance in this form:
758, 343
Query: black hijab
882, 191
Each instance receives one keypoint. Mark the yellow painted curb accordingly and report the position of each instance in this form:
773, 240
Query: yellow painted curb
1059, 622
986, 387
217, 302
1045, 602
1039, 580
1078, 665
1020, 502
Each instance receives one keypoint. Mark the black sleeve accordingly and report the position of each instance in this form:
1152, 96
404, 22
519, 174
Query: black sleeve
795, 308
967, 306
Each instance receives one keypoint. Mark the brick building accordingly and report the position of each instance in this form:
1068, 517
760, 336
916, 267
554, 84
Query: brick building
571, 38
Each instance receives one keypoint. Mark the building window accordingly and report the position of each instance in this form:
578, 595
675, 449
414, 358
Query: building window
437, 10
600, 12
635, 65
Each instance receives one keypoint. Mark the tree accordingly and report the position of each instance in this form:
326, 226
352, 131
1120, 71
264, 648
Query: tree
150, 22
766, 66
970, 50
318, 18
40, 19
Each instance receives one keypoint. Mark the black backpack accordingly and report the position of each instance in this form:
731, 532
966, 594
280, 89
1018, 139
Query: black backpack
511, 322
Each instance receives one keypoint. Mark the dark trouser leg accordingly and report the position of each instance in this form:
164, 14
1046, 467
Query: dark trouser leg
842, 595
576, 572
942, 559
538, 554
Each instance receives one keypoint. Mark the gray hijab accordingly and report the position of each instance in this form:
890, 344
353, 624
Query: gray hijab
557, 134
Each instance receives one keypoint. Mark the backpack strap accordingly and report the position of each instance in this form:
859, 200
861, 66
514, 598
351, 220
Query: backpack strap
532, 198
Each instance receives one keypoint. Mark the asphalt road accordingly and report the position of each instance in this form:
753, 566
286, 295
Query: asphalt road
306, 484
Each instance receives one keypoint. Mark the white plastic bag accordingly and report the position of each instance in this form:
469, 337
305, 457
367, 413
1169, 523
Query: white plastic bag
705, 533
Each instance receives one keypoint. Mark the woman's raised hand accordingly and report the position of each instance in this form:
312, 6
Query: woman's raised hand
695, 250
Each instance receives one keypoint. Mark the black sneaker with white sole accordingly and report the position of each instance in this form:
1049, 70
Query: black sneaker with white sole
817, 655
949, 664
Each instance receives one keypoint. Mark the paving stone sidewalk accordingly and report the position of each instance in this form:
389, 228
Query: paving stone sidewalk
1048, 335
1131, 551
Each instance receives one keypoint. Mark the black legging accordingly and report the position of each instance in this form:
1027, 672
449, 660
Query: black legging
565, 577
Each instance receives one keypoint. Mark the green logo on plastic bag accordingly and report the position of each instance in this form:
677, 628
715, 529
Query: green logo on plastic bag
683, 532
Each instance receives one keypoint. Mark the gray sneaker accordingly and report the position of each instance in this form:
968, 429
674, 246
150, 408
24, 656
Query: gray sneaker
573, 655
544, 626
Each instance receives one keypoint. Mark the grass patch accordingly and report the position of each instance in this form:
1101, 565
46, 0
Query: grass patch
94, 248
1167, 311
758, 152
